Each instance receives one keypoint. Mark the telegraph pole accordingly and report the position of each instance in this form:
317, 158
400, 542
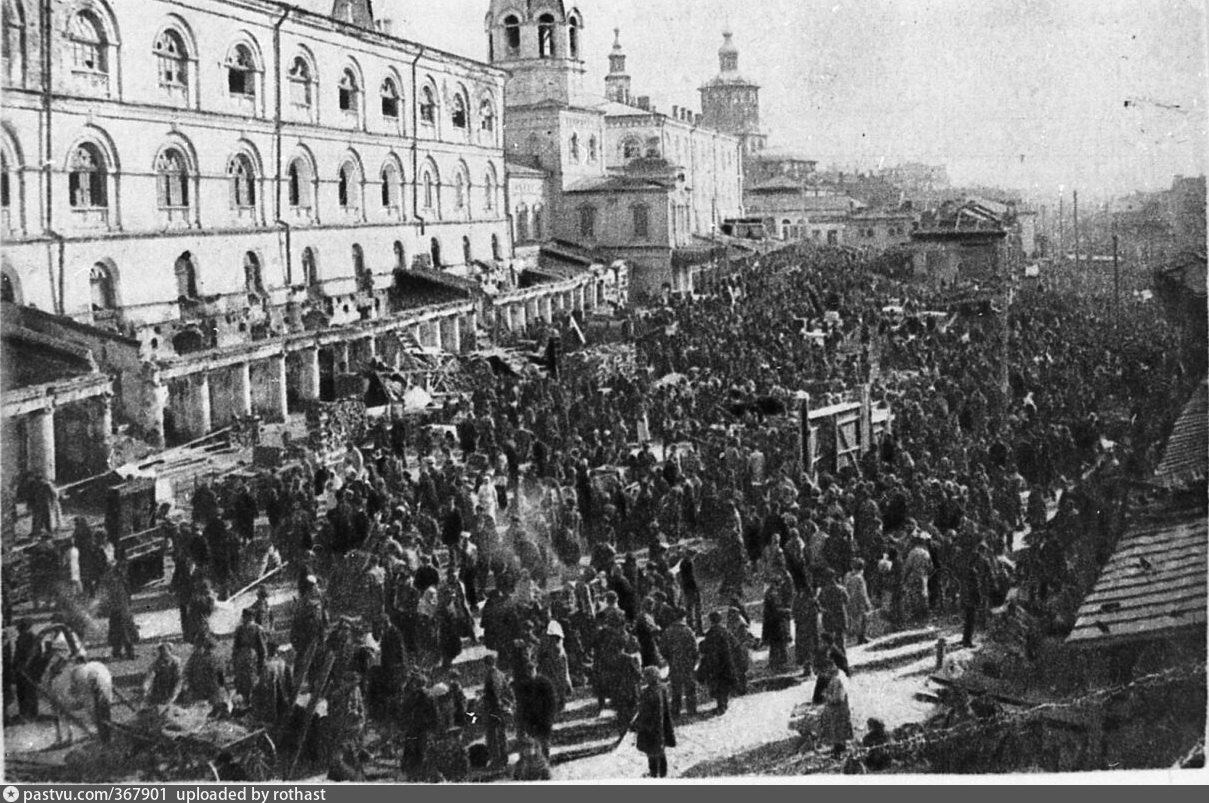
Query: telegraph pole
1076, 231
1116, 278
1062, 226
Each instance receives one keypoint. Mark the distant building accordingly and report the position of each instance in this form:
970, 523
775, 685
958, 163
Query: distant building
916, 179
730, 103
791, 211
880, 229
623, 180
962, 244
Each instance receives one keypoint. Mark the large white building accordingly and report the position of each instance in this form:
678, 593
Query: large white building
239, 199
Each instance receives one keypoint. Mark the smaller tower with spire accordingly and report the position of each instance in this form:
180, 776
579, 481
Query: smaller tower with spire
617, 82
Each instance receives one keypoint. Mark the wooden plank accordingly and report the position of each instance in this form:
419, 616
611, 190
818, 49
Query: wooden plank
1191, 578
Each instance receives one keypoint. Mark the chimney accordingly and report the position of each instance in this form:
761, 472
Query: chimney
644, 102
697, 121
384, 26
676, 112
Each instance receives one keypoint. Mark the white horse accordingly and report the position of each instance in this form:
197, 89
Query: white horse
76, 687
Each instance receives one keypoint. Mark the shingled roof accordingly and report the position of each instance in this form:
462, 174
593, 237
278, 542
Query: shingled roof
1154, 585
1186, 456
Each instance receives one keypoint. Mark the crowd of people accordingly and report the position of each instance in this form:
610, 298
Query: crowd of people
574, 525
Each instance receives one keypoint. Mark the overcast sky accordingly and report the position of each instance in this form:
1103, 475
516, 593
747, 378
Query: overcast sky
1021, 93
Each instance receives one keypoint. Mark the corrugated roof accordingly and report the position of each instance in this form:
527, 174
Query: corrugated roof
1153, 585
1186, 455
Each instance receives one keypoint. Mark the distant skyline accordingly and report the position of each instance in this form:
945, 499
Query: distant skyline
1026, 94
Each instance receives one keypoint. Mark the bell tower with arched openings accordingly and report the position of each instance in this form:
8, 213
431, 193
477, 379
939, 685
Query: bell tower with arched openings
540, 44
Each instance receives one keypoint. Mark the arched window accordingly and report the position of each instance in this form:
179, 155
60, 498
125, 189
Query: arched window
487, 116
6, 198
301, 183
310, 267
390, 99
350, 92
172, 58
186, 276
460, 118
652, 148
435, 251
365, 278
512, 34
430, 189
391, 186
172, 179
347, 186
631, 148
538, 231
89, 48
573, 37
495, 247
587, 222
428, 106
400, 256
545, 36
489, 190
467, 257
641, 220
241, 72
593, 149
104, 296
253, 279
300, 83
243, 182
459, 191
522, 224
574, 149
12, 47
87, 178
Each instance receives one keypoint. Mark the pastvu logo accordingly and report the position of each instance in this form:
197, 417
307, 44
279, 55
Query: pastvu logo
11, 794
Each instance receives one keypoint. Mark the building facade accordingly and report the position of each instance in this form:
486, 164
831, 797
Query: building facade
249, 196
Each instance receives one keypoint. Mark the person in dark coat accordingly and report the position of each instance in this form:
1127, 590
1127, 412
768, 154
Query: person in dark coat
653, 723
536, 708
627, 598
123, 633
776, 629
690, 592
680, 649
647, 632
717, 667
26, 653
499, 704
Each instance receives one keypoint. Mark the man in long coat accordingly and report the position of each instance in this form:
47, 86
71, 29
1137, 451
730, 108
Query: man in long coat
680, 649
653, 723
717, 667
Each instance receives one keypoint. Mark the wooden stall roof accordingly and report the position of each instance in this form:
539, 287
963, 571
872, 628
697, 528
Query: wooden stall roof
1154, 585
1186, 456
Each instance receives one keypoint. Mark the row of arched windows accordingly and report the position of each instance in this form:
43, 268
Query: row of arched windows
92, 50
577, 153
547, 42
105, 298
91, 175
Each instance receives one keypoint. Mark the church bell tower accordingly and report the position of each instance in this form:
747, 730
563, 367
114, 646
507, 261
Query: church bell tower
539, 43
